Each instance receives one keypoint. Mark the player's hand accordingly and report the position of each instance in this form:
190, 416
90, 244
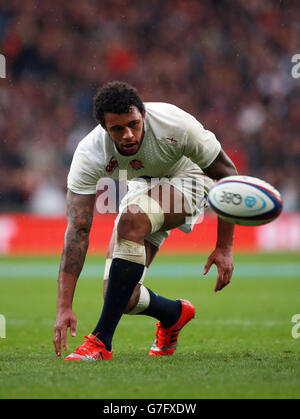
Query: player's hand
222, 258
64, 319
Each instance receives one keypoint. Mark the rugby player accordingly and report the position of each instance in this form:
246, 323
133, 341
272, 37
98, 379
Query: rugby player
165, 152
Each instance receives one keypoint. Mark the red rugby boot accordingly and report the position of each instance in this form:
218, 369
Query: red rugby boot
92, 349
166, 339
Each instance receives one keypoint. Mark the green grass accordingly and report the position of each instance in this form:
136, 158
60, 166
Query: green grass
239, 346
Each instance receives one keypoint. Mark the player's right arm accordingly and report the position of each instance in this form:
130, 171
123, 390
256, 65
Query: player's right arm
80, 209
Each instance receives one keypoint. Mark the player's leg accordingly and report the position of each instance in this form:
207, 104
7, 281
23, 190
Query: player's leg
172, 315
126, 270
151, 251
144, 215
129, 255
169, 326
143, 300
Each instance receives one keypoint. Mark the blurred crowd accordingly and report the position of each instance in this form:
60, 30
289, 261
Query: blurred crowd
226, 62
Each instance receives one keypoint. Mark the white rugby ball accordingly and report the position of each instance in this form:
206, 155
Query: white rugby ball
245, 200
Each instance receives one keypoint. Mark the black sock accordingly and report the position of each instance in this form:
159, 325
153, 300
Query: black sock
163, 309
123, 277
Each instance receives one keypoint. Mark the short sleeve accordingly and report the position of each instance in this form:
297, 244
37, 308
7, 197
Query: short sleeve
83, 175
201, 145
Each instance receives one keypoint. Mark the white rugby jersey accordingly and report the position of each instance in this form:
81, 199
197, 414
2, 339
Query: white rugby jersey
174, 144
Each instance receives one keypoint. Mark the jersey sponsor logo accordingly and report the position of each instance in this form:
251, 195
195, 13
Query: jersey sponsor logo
113, 163
136, 164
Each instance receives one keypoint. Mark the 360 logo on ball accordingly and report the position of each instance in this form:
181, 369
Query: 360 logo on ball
229, 197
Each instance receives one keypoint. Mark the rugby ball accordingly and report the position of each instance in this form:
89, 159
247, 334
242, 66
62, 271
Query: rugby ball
245, 200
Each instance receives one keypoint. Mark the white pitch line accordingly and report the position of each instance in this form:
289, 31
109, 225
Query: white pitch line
171, 270
213, 322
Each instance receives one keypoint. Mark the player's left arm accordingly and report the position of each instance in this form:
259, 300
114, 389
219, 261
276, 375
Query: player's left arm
221, 167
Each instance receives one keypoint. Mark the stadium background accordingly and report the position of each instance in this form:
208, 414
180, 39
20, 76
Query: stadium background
235, 78
229, 64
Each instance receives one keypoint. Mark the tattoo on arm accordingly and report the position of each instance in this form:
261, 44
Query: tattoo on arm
80, 210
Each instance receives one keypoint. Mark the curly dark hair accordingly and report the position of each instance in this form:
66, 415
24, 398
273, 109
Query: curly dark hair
116, 97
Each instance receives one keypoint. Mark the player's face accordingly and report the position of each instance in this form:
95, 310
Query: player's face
126, 130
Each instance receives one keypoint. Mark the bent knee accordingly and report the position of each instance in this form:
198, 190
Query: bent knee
133, 225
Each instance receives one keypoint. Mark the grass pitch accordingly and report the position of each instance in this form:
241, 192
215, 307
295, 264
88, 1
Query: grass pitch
239, 346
